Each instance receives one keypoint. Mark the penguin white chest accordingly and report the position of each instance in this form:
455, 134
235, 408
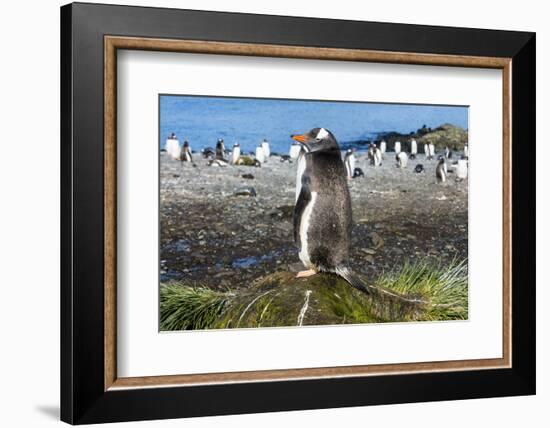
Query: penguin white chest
350, 165
299, 173
305, 222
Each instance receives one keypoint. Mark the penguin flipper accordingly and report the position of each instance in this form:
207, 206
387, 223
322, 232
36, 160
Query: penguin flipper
303, 199
352, 279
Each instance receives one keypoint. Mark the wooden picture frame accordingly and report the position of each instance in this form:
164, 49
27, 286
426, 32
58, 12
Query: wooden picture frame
91, 390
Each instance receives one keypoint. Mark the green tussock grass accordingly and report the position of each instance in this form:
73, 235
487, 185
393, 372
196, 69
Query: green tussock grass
190, 308
444, 286
442, 290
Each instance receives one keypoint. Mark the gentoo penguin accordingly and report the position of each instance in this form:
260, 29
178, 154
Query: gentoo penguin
172, 146
397, 147
208, 152
220, 150
236, 153
447, 152
419, 168
186, 155
265, 146
431, 147
441, 157
377, 156
440, 171
370, 154
217, 162
349, 162
295, 150
401, 159
462, 169
358, 172
383, 146
414, 147
322, 215
426, 150
260, 154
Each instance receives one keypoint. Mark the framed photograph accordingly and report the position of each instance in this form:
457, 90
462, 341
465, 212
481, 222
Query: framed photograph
267, 213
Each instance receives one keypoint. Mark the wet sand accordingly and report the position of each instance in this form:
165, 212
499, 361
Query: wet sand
212, 236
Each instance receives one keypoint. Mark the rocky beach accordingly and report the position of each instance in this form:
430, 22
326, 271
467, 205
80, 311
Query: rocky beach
225, 227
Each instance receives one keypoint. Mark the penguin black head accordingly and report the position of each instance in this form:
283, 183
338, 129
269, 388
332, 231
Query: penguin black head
316, 140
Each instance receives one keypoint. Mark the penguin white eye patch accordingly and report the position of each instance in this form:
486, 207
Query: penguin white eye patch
321, 134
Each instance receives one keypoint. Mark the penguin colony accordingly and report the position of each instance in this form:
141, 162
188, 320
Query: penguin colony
220, 157
323, 204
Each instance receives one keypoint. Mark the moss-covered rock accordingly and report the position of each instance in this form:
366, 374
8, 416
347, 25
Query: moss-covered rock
281, 299
414, 293
246, 161
446, 135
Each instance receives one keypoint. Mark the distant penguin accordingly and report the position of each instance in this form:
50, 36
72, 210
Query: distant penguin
397, 147
414, 147
466, 150
447, 152
172, 146
260, 154
462, 169
358, 172
186, 155
383, 146
349, 162
401, 159
426, 150
377, 156
419, 168
432, 151
295, 150
442, 157
370, 154
217, 162
441, 171
236, 153
322, 215
265, 146
286, 158
208, 152
220, 150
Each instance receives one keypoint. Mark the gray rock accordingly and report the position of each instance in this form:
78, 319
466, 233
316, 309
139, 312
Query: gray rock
376, 240
245, 191
368, 251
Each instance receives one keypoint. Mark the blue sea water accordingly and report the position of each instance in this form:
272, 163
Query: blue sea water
202, 120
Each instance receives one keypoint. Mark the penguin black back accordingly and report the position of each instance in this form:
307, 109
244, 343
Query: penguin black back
322, 215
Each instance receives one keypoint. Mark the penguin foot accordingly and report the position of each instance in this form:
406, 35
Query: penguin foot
305, 273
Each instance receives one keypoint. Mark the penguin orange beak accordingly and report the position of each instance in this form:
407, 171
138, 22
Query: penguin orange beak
299, 138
